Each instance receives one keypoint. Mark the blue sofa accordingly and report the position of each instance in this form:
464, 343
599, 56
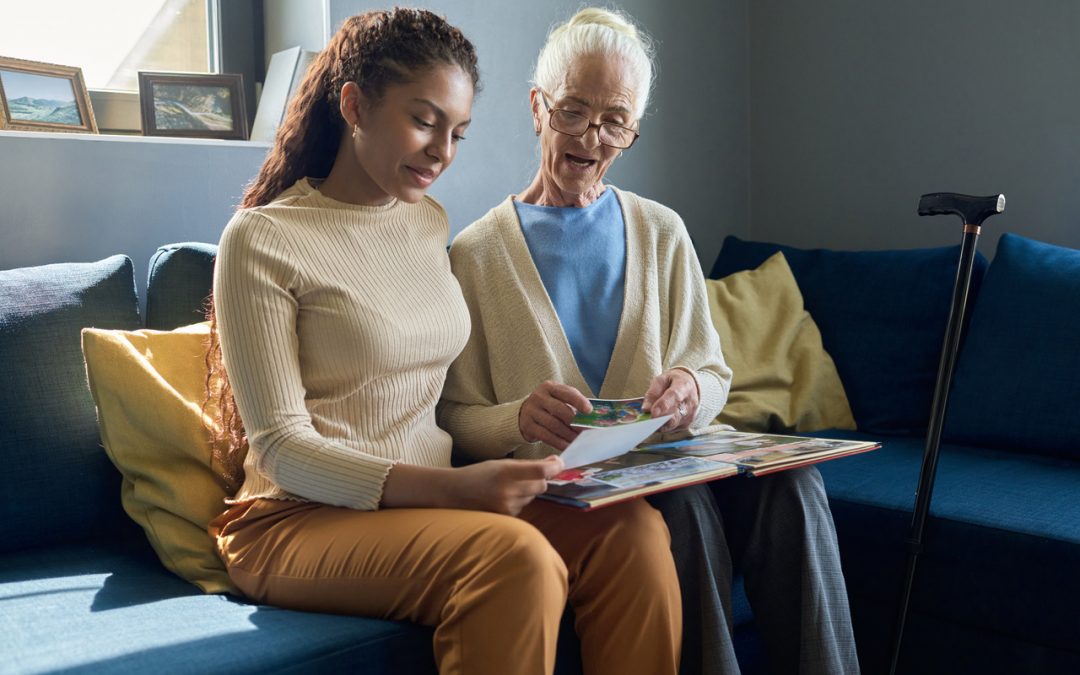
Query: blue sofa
997, 588
81, 590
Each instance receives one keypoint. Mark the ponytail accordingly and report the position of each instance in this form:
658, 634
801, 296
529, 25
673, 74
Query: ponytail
375, 50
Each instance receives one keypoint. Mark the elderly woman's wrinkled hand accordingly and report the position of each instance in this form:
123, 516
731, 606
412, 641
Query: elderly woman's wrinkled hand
673, 392
546, 414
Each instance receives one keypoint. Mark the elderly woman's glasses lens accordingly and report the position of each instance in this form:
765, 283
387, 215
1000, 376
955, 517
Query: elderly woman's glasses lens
574, 124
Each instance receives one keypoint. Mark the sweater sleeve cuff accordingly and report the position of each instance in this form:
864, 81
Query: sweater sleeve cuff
376, 471
711, 396
497, 434
339, 478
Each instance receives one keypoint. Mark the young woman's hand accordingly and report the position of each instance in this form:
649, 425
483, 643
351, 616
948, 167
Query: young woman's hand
499, 485
504, 485
546, 414
673, 392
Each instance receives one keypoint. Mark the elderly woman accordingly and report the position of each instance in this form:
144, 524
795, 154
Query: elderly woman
577, 289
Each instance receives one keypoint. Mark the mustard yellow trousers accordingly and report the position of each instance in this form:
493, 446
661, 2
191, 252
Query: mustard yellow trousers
494, 587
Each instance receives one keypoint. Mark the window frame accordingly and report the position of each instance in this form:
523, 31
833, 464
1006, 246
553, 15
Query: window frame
235, 44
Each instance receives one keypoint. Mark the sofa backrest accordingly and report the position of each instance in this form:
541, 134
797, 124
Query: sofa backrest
1017, 384
57, 483
882, 316
181, 277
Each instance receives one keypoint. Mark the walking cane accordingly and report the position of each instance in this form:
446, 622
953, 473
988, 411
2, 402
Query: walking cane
973, 211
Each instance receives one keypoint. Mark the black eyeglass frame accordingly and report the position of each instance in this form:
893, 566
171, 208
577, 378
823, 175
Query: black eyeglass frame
599, 126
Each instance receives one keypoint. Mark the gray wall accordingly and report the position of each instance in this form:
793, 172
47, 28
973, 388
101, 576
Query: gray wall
810, 123
857, 108
694, 137
77, 198
293, 23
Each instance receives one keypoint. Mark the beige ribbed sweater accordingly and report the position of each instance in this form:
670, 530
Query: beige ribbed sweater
517, 341
337, 323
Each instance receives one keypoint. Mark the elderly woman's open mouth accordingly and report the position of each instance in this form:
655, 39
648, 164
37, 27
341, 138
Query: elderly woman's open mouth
577, 160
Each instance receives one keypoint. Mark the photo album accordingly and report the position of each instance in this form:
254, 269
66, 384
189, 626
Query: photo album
608, 462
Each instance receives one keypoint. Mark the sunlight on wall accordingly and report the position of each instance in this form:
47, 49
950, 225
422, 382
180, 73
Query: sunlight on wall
111, 40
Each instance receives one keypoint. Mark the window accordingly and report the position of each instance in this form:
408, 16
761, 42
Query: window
111, 40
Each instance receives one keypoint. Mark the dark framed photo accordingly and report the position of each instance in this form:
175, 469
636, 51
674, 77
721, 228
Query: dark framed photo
38, 96
192, 105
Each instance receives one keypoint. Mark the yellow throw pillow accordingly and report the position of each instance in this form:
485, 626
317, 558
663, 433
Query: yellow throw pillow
149, 387
783, 379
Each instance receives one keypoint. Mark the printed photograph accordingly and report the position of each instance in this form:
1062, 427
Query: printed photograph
654, 473
37, 97
609, 413
580, 475
708, 445
186, 106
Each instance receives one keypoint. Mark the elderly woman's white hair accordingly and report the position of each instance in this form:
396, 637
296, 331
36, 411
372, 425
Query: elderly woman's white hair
597, 31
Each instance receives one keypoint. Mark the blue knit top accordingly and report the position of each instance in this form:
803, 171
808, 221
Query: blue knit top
581, 256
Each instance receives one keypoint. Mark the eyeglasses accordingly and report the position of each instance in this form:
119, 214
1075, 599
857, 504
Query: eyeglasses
575, 124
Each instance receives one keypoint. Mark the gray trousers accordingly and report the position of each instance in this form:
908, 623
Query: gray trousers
778, 531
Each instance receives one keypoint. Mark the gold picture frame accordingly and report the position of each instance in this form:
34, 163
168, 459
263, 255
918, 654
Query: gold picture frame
37, 96
193, 105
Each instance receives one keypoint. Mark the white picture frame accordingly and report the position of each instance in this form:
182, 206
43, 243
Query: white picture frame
283, 77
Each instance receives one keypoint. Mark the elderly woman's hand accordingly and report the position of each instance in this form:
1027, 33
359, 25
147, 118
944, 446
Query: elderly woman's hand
673, 392
546, 414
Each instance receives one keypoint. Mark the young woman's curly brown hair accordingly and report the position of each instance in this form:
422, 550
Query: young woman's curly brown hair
375, 50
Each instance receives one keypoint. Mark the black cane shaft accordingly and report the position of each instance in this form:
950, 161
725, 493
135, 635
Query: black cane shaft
941, 389
946, 366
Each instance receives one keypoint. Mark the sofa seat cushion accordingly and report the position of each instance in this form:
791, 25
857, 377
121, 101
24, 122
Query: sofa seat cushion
57, 484
92, 609
1017, 382
882, 317
1004, 527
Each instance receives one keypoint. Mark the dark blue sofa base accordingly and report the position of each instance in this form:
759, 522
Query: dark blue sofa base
998, 584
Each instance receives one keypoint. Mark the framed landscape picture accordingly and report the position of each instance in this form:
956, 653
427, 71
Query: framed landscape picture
43, 97
192, 105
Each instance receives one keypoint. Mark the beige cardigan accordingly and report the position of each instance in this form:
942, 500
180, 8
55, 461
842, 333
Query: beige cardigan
517, 341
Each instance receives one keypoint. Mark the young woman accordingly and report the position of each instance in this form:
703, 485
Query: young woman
336, 318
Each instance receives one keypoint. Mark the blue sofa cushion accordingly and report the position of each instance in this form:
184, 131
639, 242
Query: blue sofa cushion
1017, 383
92, 609
180, 279
1003, 527
57, 483
882, 317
